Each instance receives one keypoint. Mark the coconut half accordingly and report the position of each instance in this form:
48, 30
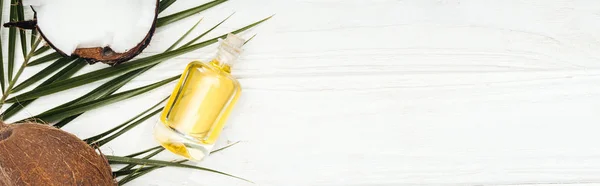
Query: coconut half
109, 31
38, 154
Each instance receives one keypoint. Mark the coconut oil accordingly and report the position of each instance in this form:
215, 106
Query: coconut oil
198, 108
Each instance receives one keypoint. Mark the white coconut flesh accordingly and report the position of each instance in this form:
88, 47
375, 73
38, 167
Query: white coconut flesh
72, 24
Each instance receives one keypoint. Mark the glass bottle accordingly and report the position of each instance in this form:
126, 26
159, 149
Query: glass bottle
196, 112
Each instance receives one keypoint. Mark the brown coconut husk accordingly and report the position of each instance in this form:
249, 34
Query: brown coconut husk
37, 154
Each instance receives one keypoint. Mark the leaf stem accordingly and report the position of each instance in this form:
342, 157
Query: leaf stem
16, 77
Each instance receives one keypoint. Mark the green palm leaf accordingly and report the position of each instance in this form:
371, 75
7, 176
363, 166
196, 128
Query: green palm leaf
46, 58
58, 114
144, 151
208, 31
41, 50
12, 83
43, 73
32, 39
12, 40
144, 170
21, 17
157, 151
164, 4
95, 138
184, 36
133, 174
124, 68
102, 91
127, 128
65, 73
138, 161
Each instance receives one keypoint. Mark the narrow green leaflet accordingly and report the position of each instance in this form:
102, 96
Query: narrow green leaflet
133, 174
144, 151
164, 4
186, 13
63, 74
55, 115
225, 147
95, 138
102, 91
43, 73
46, 58
41, 50
138, 161
65, 121
208, 31
184, 35
12, 83
144, 170
127, 128
157, 151
250, 39
12, 39
21, 17
32, 39
123, 68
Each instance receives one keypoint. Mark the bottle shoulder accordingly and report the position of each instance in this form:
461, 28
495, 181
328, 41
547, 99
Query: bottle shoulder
207, 68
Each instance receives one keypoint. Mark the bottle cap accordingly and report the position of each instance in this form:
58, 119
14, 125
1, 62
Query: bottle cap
230, 49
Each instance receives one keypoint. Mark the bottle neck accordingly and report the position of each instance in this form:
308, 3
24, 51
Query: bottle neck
220, 65
228, 52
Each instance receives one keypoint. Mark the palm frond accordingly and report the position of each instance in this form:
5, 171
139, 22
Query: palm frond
208, 31
133, 174
139, 161
144, 151
58, 114
41, 50
130, 166
65, 73
145, 170
32, 39
43, 73
127, 128
95, 138
46, 58
123, 68
12, 39
23, 37
184, 36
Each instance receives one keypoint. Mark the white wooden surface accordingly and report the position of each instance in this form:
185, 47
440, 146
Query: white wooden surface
389, 92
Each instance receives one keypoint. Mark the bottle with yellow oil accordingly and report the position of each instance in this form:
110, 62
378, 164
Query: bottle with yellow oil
197, 110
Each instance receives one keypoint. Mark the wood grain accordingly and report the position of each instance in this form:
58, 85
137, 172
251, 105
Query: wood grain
390, 92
